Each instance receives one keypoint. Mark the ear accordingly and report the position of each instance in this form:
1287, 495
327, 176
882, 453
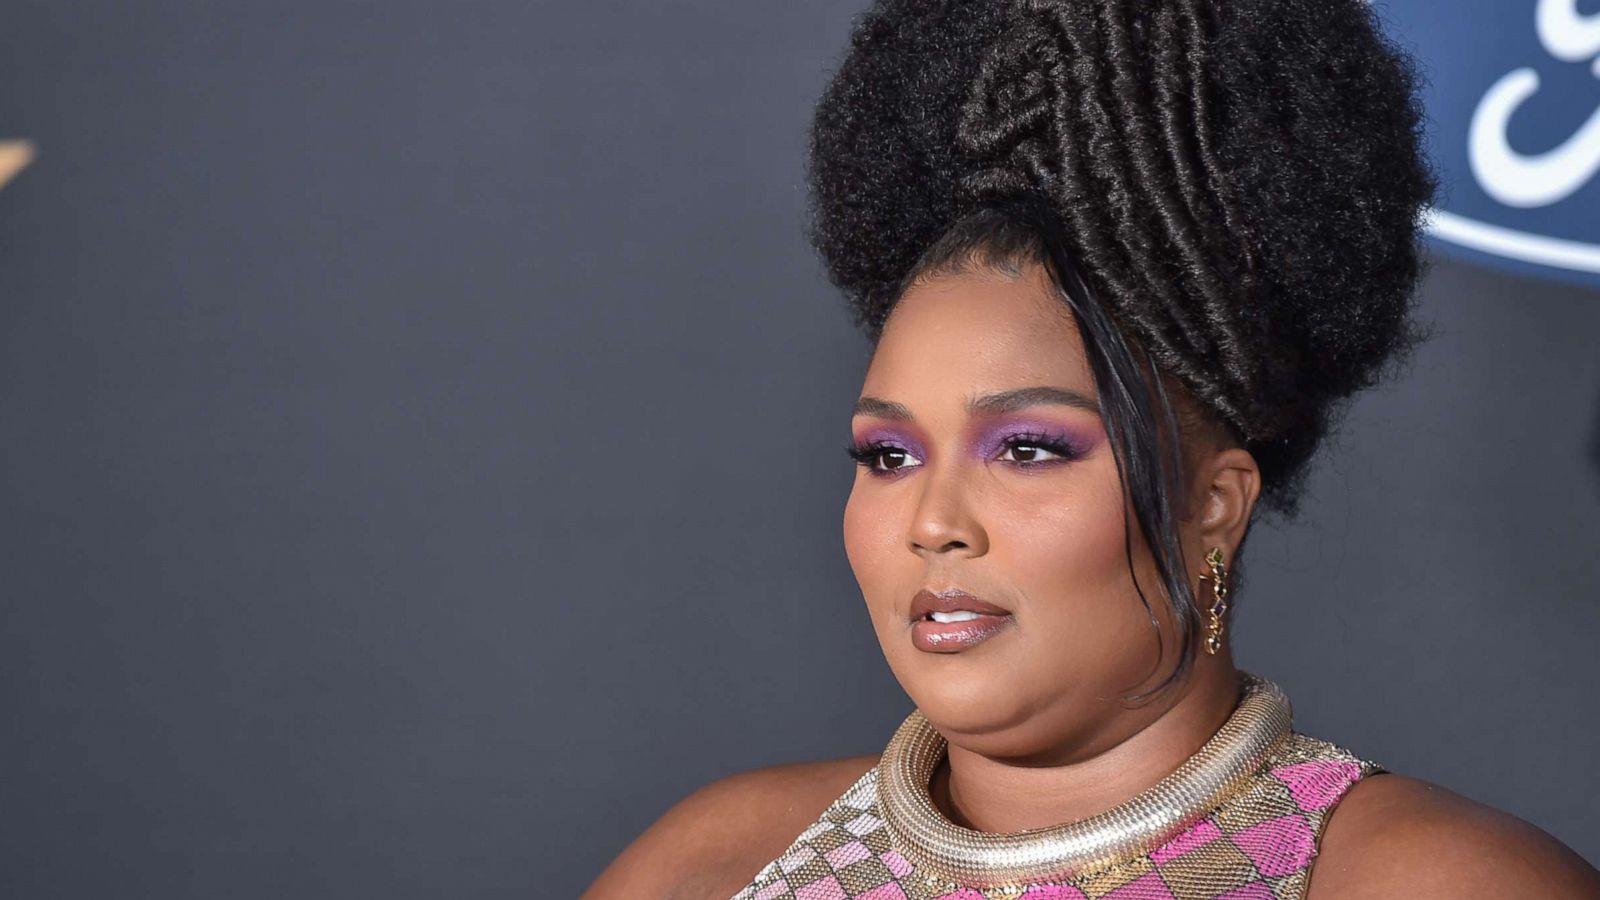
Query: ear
1226, 487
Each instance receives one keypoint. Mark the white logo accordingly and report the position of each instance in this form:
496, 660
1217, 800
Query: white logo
1531, 181
1550, 177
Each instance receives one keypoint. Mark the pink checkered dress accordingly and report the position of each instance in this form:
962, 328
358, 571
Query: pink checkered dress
1257, 845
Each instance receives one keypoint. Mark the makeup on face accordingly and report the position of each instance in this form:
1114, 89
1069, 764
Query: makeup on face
896, 435
1068, 443
1032, 430
953, 620
931, 636
893, 447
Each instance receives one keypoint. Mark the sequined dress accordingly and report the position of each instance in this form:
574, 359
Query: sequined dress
1257, 844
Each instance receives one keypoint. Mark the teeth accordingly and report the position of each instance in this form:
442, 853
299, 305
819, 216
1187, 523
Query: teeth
960, 615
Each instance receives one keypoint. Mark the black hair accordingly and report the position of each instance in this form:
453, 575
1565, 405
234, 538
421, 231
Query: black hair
1227, 194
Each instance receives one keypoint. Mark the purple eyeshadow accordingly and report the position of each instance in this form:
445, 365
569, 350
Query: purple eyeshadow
992, 440
879, 434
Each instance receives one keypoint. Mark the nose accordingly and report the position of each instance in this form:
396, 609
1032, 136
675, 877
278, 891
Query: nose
944, 520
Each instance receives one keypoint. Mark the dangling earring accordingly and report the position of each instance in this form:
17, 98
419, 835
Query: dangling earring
1219, 603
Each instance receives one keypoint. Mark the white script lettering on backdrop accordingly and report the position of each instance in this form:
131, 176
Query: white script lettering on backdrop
1503, 76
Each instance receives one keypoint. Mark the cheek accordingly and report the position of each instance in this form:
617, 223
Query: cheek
1068, 554
871, 540
857, 536
1068, 541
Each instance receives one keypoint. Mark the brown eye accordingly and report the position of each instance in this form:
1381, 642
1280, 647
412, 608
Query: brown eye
1027, 453
1036, 451
882, 459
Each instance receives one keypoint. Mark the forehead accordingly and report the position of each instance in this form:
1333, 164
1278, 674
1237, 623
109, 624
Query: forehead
973, 332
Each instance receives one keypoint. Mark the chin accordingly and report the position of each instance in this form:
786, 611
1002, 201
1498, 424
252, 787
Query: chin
1009, 731
965, 696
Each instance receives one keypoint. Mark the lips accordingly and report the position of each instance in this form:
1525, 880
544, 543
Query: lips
953, 620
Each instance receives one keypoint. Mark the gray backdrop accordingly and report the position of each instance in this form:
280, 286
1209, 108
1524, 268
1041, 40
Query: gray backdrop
422, 431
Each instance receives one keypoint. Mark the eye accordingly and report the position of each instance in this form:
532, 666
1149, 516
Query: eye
882, 459
1036, 449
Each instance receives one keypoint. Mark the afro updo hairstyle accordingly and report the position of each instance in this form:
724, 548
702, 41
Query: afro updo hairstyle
1227, 193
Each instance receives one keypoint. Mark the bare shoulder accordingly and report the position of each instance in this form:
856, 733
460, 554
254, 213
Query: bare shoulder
712, 842
1393, 836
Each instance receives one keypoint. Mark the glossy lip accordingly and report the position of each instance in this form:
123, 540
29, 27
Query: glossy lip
951, 600
953, 637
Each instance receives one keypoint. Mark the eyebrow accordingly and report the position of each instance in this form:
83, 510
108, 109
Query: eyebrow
988, 404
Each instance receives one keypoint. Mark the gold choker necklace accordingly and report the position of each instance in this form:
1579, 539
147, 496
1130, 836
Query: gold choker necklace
969, 858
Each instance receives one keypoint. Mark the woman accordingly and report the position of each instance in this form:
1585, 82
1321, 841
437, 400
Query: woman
1122, 264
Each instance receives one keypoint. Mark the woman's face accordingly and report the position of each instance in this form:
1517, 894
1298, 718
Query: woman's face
987, 471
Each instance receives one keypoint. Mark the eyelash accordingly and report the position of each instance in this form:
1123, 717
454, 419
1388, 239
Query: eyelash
867, 455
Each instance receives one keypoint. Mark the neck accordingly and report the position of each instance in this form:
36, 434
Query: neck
992, 795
